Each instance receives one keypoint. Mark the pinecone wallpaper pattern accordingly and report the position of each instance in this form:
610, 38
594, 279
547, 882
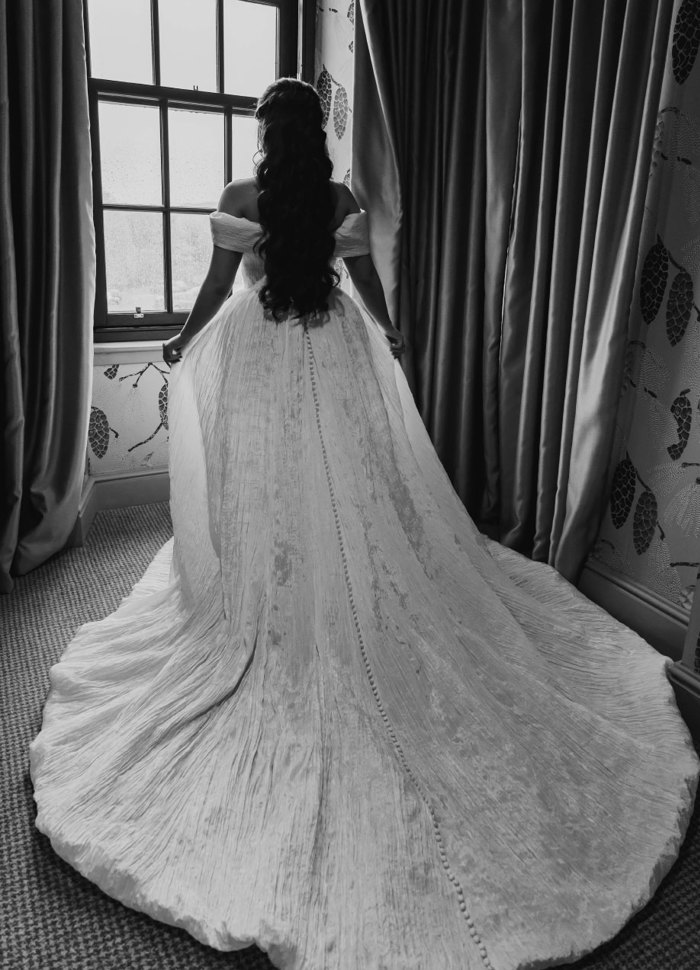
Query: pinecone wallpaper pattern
651, 529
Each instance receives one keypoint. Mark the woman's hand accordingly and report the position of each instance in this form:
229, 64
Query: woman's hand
397, 342
172, 349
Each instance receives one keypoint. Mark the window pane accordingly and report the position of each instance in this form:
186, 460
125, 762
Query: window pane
196, 157
192, 245
250, 47
134, 260
245, 146
191, 241
188, 44
120, 40
130, 153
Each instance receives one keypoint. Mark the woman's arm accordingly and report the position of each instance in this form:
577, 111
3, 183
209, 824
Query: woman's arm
367, 283
212, 293
220, 277
369, 287
365, 278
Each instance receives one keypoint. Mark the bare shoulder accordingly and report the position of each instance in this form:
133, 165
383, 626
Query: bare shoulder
345, 200
240, 198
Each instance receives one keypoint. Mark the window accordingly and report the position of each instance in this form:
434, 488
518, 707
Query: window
172, 87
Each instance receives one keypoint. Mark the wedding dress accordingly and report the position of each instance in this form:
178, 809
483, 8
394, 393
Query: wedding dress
333, 719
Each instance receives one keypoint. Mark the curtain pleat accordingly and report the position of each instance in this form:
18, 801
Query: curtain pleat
47, 270
510, 142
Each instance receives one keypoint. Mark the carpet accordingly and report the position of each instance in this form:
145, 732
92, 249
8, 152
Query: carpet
51, 918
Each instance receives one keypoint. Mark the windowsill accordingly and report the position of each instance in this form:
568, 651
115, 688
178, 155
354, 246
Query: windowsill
127, 351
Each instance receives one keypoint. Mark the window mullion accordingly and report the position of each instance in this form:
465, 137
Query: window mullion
287, 46
228, 145
306, 43
165, 170
155, 41
149, 93
131, 207
220, 46
228, 115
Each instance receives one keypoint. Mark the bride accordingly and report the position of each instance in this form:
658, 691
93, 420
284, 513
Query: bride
333, 719
300, 209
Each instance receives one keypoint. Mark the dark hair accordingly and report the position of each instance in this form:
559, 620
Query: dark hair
295, 201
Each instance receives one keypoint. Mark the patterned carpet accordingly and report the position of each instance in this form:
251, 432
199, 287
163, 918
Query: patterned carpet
51, 918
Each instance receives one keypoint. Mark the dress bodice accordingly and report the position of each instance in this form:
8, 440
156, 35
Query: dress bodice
240, 235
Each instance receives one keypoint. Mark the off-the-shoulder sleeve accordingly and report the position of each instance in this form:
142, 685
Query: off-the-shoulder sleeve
352, 235
232, 232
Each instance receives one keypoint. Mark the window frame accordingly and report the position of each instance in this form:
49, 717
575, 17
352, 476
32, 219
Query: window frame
294, 58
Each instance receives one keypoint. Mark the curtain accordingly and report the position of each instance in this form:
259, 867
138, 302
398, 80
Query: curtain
47, 270
502, 150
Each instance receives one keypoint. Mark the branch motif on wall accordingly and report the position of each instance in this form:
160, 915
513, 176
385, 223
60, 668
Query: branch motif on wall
162, 400
677, 141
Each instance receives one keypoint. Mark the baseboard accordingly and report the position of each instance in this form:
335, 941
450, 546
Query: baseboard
687, 688
115, 492
662, 624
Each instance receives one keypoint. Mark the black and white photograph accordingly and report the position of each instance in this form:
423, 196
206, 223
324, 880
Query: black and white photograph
349, 484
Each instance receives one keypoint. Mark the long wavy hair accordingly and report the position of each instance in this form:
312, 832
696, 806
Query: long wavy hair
295, 201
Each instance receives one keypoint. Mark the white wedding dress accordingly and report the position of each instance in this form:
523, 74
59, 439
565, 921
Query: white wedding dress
334, 720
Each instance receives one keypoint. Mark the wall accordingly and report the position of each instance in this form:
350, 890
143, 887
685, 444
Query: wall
129, 420
650, 535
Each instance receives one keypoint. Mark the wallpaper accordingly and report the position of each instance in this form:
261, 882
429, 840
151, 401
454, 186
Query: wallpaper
128, 429
651, 529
